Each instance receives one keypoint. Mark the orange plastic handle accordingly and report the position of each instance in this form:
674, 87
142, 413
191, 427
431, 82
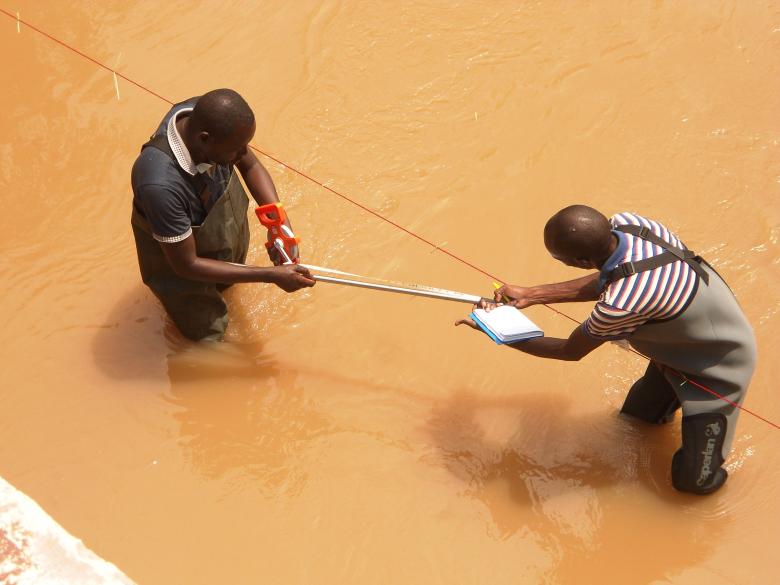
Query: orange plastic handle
273, 217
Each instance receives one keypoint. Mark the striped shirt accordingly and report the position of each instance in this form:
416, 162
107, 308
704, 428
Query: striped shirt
653, 295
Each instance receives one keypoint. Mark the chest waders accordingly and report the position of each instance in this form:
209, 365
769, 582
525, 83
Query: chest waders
712, 343
197, 308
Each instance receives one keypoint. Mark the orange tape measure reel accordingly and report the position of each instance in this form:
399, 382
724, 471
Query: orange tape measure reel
273, 217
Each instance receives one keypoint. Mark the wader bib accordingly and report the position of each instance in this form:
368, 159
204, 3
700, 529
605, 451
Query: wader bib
197, 308
712, 343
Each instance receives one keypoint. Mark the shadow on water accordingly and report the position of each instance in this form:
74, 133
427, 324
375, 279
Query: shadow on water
242, 416
128, 344
239, 413
137, 340
594, 489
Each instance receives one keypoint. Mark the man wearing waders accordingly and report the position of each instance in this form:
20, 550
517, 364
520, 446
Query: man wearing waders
190, 212
669, 305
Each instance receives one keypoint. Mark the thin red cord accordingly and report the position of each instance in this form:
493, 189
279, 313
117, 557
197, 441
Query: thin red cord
361, 206
686, 379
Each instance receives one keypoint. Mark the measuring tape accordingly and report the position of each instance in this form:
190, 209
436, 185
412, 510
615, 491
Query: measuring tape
419, 290
281, 237
274, 218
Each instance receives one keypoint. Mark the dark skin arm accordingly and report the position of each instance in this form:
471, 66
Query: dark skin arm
578, 344
183, 258
573, 349
585, 288
257, 179
262, 189
186, 263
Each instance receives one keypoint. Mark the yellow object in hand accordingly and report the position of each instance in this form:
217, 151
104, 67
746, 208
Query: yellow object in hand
498, 286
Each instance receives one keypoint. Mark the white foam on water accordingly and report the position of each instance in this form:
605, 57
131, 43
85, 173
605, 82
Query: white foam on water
34, 549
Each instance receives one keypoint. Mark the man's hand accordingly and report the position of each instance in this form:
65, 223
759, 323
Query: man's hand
467, 322
273, 253
483, 304
487, 305
585, 288
516, 296
275, 256
292, 277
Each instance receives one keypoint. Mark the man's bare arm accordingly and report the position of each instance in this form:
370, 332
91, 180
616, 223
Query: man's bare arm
573, 349
262, 188
257, 179
579, 289
186, 263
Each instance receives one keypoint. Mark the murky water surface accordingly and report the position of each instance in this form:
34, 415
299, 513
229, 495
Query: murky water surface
345, 436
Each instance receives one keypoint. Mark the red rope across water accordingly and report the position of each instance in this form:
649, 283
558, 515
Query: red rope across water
358, 204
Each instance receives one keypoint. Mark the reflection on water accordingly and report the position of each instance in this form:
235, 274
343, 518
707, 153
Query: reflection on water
243, 417
127, 344
542, 471
349, 437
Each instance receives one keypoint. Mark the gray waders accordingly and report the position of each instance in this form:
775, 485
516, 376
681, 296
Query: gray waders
197, 308
711, 343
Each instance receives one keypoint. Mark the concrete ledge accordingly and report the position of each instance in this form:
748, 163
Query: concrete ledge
34, 549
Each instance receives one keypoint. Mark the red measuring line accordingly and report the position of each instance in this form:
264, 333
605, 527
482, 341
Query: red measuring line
703, 387
87, 57
360, 205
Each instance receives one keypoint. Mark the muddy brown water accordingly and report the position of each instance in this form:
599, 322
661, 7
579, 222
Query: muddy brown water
347, 436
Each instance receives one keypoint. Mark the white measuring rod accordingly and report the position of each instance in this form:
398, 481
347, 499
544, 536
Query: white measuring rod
410, 289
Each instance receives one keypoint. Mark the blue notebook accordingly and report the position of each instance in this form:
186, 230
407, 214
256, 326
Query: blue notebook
505, 324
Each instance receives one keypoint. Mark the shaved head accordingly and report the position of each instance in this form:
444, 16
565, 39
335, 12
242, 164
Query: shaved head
221, 113
219, 128
580, 236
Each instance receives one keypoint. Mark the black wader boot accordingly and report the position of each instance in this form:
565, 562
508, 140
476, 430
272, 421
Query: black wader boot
651, 398
711, 343
696, 467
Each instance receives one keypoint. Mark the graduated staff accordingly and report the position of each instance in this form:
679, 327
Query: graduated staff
190, 211
672, 307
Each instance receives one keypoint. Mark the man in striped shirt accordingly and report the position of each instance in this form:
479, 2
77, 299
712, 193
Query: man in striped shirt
657, 294
671, 307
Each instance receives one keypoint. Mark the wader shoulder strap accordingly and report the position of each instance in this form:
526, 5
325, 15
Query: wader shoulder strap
669, 255
160, 142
